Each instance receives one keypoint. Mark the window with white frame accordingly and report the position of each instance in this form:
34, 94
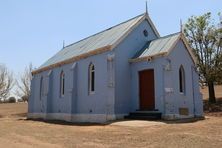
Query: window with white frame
91, 79
182, 80
62, 84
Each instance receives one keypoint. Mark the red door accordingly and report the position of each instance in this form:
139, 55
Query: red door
147, 90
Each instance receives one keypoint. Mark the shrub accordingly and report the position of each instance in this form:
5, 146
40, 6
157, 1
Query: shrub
11, 100
25, 98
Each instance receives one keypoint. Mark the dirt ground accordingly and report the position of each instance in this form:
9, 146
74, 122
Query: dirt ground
16, 131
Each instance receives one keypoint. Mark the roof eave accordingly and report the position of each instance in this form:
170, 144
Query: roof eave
145, 17
148, 58
190, 50
75, 58
128, 32
152, 25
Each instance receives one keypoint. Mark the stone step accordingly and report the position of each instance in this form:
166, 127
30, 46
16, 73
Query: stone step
147, 110
144, 115
150, 118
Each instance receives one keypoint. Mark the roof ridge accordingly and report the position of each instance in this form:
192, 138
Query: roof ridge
172, 34
169, 35
105, 30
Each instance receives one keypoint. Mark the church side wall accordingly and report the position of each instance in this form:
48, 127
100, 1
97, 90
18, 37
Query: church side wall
77, 104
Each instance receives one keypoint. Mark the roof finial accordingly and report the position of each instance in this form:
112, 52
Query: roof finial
63, 43
146, 8
181, 26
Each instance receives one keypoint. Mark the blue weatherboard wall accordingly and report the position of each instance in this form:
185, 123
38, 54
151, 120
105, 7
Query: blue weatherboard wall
169, 103
180, 56
157, 65
76, 98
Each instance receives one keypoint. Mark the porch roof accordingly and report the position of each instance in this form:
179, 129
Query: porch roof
158, 46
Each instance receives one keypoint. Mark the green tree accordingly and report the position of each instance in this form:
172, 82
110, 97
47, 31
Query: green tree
205, 39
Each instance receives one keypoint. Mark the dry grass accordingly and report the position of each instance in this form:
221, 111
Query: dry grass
16, 131
213, 109
218, 91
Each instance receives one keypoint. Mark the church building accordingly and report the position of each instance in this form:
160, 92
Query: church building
128, 68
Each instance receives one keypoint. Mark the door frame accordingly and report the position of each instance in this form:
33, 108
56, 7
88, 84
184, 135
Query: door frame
139, 104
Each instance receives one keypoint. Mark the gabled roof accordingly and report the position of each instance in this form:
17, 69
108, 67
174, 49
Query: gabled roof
161, 47
95, 44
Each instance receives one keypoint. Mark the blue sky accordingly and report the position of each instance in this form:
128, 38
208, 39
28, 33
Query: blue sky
31, 31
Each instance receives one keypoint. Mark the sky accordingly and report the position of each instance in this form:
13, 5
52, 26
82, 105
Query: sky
32, 31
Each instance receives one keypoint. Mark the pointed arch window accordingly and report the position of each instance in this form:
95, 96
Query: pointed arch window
62, 84
182, 80
41, 88
91, 79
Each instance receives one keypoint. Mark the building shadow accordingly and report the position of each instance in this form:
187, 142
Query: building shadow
182, 121
66, 123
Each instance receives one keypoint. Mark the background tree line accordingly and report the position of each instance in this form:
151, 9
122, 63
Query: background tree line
22, 85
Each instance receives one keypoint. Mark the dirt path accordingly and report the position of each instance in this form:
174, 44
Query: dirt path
16, 131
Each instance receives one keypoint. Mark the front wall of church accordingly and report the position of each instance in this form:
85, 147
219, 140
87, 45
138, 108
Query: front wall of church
168, 98
125, 51
158, 66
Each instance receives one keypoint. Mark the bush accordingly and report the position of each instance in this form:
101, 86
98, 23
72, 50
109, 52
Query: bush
25, 98
11, 100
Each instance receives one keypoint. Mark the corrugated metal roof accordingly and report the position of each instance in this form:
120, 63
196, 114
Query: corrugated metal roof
99, 40
158, 46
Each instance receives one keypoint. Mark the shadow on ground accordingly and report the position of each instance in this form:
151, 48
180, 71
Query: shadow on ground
59, 122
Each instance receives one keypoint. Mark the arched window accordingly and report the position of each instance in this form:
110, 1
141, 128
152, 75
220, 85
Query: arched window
41, 88
91, 78
182, 79
62, 84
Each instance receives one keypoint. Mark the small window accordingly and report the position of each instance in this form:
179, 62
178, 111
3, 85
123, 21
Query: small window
41, 88
91, 79
145, 33
182, 80
62, 84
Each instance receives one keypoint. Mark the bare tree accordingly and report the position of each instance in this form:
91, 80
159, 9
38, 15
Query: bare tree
24, 83
6, 82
